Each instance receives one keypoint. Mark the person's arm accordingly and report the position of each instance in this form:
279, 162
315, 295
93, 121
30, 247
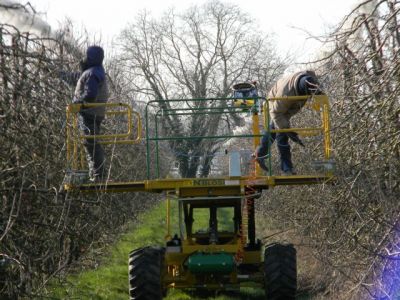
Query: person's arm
71, 78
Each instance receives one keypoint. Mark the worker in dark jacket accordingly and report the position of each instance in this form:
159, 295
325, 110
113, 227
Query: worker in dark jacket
92, 88
297, 84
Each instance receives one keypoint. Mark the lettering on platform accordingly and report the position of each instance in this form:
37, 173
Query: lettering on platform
208, 182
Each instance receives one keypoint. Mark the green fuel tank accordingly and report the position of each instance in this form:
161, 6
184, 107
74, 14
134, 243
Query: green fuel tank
200, 263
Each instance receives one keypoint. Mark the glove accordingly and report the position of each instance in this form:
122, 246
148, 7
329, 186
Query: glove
81, 102
77, 101
295, 138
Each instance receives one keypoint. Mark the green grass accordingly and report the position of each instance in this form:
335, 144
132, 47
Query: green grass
110, 280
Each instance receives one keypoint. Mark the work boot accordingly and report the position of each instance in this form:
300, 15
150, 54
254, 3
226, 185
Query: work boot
97, 178
289, 172
260, 161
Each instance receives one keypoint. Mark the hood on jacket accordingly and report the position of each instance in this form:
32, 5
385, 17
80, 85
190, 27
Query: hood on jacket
94, 57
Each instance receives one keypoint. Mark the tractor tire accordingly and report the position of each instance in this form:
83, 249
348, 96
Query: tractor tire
280, 272
145, 273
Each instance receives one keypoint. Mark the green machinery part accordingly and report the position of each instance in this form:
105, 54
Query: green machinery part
201, 262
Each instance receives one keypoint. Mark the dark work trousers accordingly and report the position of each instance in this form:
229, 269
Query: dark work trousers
283, 147
90, 125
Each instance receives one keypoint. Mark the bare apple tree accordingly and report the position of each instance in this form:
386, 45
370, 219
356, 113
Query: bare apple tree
352, 227
199, 53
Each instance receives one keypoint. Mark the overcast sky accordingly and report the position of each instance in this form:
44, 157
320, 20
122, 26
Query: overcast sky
286, 18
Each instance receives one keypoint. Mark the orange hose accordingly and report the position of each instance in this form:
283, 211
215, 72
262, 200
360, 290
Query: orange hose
242, 230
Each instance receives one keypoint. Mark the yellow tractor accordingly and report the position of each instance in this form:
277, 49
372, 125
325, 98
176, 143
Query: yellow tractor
215, 247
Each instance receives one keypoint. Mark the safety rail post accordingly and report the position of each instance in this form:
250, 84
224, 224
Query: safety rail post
168, 236
256, 131
327, 140
76, 141
146, 115
82, 155
268, 127
68, 143
157, 152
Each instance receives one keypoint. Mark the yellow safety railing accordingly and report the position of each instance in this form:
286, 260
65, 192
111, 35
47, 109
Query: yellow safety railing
319, 103
75, 138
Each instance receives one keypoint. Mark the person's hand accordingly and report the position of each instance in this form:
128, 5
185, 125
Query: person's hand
295, 138
80, 102
76, 100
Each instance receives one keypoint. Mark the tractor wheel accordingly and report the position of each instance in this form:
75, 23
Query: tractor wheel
280, 272
145, 273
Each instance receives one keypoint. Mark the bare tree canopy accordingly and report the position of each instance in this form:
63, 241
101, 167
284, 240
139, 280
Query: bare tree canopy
349, 231
42, 229
364, 69
199, 53
352, 227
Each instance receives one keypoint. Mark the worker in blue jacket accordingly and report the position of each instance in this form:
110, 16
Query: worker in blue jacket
92, 88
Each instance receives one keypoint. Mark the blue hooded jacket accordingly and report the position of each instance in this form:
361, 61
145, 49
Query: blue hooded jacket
92, 84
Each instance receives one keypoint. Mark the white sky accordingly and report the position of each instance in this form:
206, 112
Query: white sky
284, 17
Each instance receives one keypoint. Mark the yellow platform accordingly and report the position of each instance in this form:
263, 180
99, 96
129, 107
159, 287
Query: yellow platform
195, 187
